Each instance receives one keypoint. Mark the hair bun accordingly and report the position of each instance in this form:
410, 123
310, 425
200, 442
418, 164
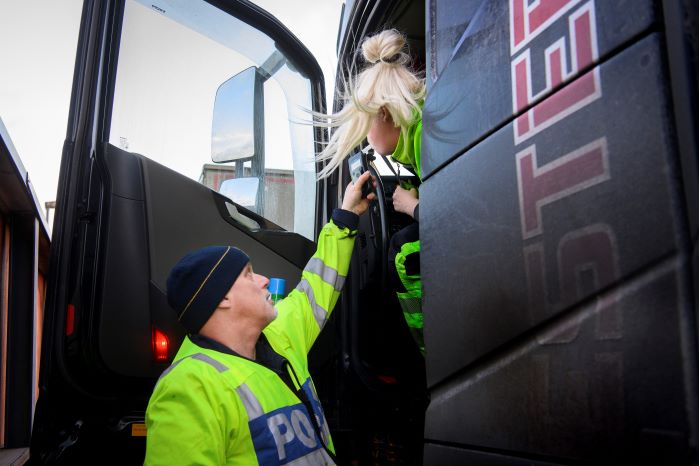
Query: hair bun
387, 47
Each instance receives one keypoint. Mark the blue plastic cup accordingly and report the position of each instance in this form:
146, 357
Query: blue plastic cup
276, 287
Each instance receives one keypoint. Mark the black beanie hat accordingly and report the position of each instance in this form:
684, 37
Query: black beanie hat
200, 280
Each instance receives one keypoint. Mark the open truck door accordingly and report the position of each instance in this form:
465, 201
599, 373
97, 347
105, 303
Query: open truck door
183, 132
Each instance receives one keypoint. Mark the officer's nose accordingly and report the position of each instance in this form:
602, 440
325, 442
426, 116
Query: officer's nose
263, 281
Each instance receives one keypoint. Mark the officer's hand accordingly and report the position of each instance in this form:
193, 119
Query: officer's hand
353, 200
405, 200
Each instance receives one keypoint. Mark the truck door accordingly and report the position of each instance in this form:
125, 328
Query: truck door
183, 132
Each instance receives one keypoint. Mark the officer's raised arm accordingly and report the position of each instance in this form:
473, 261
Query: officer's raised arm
302, 315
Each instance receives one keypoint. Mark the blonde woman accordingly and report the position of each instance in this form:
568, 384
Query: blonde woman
383, 104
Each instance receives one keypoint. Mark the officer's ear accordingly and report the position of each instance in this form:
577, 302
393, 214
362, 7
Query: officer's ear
227, 301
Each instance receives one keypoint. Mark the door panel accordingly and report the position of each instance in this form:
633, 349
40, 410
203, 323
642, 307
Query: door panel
124, 218
122, 312
184, 215
155, 217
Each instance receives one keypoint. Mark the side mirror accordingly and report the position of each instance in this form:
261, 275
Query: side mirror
242, 191
238, 121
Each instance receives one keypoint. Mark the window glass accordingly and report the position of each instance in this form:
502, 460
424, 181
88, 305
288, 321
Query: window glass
173, 57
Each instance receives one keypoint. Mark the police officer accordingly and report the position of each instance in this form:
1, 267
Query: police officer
239, 390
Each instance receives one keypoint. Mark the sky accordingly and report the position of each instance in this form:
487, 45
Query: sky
37, 53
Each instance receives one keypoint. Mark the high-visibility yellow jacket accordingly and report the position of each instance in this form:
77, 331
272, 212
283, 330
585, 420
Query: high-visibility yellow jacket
212, 408
407, 151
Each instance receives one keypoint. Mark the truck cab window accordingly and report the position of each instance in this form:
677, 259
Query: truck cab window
172, 61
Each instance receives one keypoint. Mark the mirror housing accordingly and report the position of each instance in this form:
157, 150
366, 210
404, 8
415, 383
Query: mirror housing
238, 121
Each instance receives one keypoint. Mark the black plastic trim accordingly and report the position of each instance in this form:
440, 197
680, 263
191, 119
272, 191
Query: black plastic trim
290, 245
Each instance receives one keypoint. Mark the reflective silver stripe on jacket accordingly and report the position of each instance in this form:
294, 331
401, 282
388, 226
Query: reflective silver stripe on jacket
328, 274
411, 305
320, 314
211, 361
199, 357
322, 422
250, 402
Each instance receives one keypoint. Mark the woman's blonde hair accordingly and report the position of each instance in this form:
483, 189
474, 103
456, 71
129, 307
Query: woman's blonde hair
387, 82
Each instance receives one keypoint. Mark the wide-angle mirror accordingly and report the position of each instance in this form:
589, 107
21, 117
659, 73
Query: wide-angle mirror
242, 191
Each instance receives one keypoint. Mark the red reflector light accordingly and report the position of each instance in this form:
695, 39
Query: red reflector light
390, 379
70, 320
161, 344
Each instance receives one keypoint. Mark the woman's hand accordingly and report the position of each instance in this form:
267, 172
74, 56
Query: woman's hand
353, 200
405, 200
